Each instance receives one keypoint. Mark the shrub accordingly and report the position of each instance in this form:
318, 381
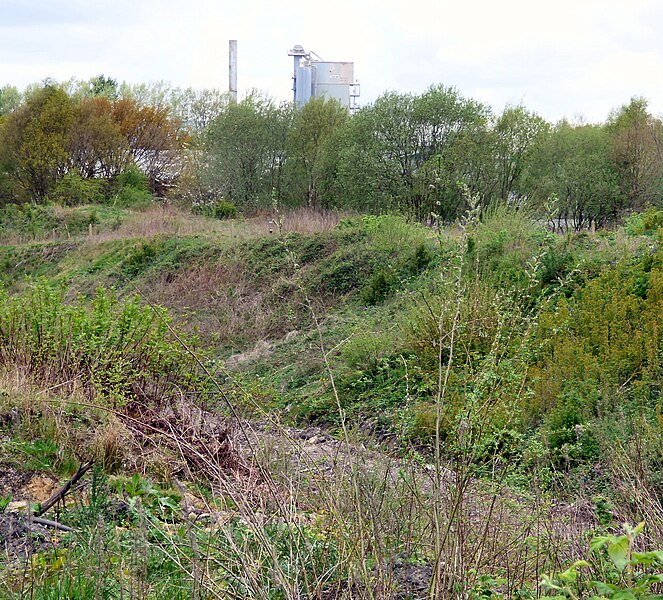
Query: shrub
74, 190
133, 177
119, 351
392, 233
380, 285
644, 223
132, 188
614, 569
215, 209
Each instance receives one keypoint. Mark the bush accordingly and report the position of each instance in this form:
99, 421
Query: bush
74, 190
215, 209
133, 177
380, 285
644, 223
392, 233
132, 188
119, 351
614, 569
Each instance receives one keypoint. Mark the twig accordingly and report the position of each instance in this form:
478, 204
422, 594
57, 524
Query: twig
49, 523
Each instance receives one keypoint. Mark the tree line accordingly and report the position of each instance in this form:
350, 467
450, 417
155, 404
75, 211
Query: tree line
418, 154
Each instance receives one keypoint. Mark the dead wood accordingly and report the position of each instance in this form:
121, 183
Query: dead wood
62, 492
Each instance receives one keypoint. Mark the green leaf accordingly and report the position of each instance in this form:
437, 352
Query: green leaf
618, 550
646, 580
647, 558
548, 583
604, 588
599, 541
624, 595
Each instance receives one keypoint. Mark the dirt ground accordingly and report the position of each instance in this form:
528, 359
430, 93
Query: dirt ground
19, 536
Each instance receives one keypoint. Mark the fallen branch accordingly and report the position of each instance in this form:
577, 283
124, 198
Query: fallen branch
49, 523
62, 492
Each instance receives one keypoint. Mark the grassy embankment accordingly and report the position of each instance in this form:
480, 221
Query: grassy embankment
511, 376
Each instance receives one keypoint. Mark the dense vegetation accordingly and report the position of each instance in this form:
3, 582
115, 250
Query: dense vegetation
445, 387
415, 154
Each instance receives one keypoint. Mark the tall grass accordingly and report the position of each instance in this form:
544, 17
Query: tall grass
294, 516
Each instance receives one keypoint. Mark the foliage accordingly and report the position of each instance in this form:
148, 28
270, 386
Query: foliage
34, 141
615, 569
10, 98
515, 131
118, 352
575, 166
216, 209
245, 149
73, 190
604, 342
636, 138
132, 188
645, 223
307, 146
27, 221
92, 136
387, 143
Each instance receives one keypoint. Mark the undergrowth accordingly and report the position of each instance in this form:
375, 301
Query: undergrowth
117, 351
513, 377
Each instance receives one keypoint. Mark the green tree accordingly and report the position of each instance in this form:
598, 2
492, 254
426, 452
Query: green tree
245, 148
196, 109
96, 86
10, 99
637, 139
574, 164
514, 132
35, 141
389, 142
313, 128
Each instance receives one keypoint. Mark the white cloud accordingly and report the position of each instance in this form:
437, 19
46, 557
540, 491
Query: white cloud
558, 58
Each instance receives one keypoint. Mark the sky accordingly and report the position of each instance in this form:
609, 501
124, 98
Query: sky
574, 59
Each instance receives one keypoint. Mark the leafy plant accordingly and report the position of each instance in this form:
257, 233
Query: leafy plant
216, 209
119, 351
615, 569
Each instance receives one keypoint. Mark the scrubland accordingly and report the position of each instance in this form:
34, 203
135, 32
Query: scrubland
324, 405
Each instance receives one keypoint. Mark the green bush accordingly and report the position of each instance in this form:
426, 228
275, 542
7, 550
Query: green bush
503, 244
119, 351
216, 209
139, 258
74, 190
614, 569
133, 177
131, 189
380, 285
644, 223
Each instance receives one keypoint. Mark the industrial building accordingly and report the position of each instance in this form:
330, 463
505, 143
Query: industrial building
317, 78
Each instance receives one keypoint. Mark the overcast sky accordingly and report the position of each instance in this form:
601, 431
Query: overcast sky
573, 58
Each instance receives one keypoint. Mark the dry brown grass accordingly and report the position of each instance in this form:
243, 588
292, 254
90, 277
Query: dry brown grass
169, 220
164, 219
307, 220
220, 301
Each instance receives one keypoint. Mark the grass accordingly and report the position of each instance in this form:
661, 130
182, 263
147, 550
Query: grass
292, 535
454, 461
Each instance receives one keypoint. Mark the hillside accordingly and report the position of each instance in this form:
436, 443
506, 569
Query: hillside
316, 404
